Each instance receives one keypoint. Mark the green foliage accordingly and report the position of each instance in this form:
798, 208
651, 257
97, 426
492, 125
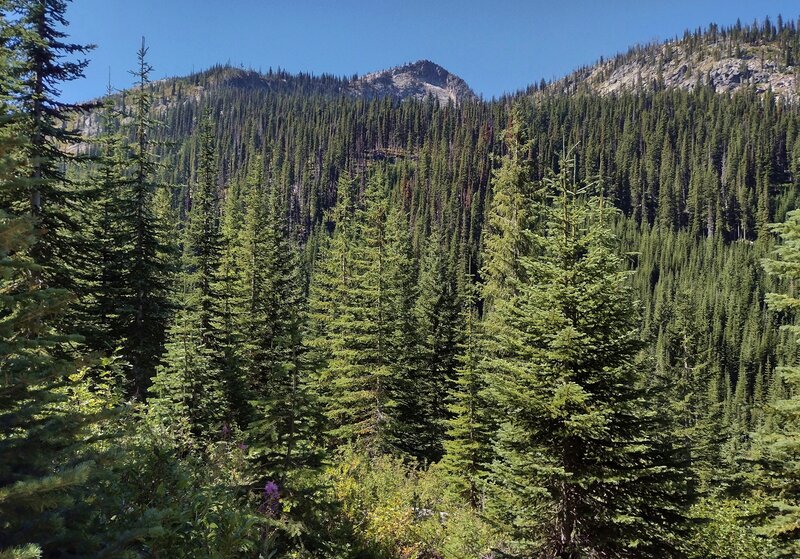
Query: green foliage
779, 448
724, 530
189, 389
582, 467
144, 307
359, 270
394, 510
440, 331
283, 411
40, 46
393, 282
40, 466
506, 238
177, 504
468, 451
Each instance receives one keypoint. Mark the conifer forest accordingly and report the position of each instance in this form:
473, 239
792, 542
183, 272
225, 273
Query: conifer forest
274, 315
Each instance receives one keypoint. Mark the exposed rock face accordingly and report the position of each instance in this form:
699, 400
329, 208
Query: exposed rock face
673, 66
416, 80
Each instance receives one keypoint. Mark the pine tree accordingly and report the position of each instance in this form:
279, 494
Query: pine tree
506, 238
468, 451
106, 230
229, 306
581, 469
411, 432
354, 317
189, 388
42, 46
251, 286
329, 274
146, 308
780, 451
41, 463
438, 314
284, 429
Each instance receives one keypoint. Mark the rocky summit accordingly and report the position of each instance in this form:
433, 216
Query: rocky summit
416, 80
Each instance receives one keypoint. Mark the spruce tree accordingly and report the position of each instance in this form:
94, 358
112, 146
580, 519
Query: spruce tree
106, 232
145, 307
49, 60
356, 323
779, 449
506, 237
412, 431
582, 469
468, 452
284, 425
41, 464
438, 314
189, 388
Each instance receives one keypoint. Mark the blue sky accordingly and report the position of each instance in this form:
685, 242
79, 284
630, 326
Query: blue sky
497, 46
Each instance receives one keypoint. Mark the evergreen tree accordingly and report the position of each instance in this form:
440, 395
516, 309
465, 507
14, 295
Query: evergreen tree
48, 60
412, 431
506, 239
145, 308
468, 452
100, 313
190, 388
284, 429
438, 314
358, 327
779, 448
582, 469
41, 453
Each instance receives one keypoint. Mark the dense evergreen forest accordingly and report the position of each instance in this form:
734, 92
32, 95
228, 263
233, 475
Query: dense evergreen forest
256, 316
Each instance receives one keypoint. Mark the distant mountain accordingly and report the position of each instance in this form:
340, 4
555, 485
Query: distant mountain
762, 56
416, 80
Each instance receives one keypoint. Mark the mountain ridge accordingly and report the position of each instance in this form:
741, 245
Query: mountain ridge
418, 80
761, 56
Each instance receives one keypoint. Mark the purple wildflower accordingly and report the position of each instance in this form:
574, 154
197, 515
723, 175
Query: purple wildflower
271, 505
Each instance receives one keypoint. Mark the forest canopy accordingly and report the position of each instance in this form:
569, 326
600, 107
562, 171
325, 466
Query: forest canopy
289, 322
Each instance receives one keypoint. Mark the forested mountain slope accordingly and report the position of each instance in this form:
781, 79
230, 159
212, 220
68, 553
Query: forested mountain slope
694, 169
300, 316
762, 56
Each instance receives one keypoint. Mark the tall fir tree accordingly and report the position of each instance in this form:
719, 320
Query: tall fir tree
438, 317
356, 320
105, 231
412, 432
582, 468
189, 389
284, 429
468, 449
506, 237
43, 460
49, 60
778, 448
146, 308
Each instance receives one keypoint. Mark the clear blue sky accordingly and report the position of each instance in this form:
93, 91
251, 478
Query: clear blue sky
497, 46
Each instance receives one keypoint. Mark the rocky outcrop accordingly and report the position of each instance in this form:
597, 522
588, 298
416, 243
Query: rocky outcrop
416, 80
672, 65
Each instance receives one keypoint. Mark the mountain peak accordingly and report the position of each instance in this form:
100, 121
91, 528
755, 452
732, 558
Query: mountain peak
418, 80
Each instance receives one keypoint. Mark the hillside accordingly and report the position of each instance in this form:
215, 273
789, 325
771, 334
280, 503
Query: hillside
762, 56
415, 80
288, 315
